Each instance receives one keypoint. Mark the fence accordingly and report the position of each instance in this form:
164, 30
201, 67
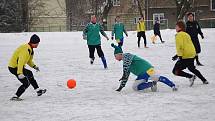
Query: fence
59, 25
207, 23
57, 28
132, 25
48, 24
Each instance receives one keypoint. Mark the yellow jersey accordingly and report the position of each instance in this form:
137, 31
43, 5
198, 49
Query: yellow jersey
184, 45
23, 55
141, 26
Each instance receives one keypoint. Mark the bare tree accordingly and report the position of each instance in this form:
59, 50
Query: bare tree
24, 6
36, 8
79, 12
107, 7
10, 16
140, 4
183, 6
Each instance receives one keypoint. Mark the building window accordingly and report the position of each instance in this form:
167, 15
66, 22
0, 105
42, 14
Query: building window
158, 17
116, 2
213, 5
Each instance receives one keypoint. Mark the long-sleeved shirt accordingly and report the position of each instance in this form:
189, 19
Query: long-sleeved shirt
141, 26
193, 29
118, 29
184, 45
133, 64
23, 55
91, 31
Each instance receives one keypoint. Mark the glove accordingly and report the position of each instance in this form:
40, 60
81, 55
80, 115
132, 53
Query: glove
112, 38
120, 88
36, 68
123, 78
21, 76
174, 57
84, 37
202, 36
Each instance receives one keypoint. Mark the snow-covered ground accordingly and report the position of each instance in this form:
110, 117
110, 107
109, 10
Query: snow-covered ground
62, 56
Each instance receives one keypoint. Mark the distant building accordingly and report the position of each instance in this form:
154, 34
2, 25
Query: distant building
166, 10
51, 16
78, 16
78, 13
128, 12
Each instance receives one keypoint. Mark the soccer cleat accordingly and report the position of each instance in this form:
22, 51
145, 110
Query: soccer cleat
199, 64
162, 41
192, 80
16, 99
154, 86
205, 82
91, 60
174, 88
41, 91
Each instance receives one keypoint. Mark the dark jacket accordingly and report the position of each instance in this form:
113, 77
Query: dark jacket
157, 29
193, 29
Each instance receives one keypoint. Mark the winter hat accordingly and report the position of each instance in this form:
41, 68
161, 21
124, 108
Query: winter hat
181, 25
118, 49
34, 39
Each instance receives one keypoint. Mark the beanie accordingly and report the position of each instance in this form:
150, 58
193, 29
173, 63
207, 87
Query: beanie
34, 39
118, 49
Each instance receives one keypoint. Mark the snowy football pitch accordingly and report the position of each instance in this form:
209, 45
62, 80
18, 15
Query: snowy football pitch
62, 56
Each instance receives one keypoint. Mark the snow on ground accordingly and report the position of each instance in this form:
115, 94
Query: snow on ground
62, 56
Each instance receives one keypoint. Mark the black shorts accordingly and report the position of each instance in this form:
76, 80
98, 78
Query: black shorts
141, 34
184, 63
92, 50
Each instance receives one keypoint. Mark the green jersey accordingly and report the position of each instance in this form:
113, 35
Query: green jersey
118, 29
91, 32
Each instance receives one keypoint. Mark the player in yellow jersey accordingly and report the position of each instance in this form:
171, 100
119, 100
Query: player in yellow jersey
24, 55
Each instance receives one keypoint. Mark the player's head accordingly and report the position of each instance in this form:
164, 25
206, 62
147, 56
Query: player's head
117, 52
34, 41
117, 19
190, 16
93, 19
180, 26
141, 18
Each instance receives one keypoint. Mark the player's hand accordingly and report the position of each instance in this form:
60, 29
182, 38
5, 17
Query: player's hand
84, 37
36, 68
123, 78
21, 76
174, 57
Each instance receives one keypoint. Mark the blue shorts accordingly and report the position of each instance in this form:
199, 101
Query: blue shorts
144, 76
